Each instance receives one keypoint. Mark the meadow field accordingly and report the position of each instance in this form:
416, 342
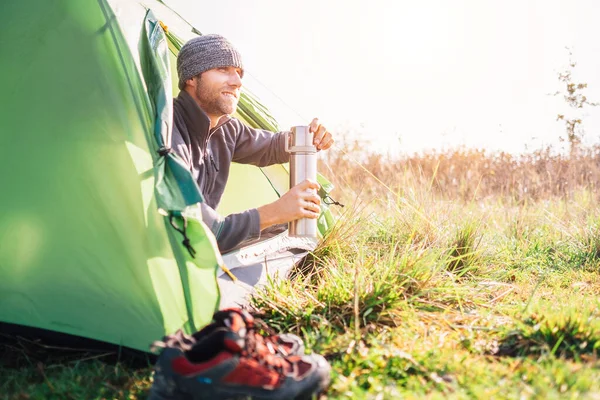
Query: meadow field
455, 274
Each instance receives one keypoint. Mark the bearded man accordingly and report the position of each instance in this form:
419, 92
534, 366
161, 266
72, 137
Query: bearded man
208, 140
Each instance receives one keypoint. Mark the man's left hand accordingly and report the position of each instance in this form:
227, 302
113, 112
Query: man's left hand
322, 138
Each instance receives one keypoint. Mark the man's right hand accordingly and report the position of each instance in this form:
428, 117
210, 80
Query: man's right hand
301, 201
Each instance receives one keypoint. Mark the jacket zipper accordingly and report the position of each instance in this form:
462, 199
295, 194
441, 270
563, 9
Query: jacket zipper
210, 133
212, 160
208, 157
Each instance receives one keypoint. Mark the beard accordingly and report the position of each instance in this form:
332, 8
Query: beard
213, 102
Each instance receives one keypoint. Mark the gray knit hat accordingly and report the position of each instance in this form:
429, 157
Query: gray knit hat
203, 53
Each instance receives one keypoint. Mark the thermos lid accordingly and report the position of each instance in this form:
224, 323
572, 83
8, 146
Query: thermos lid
300, 139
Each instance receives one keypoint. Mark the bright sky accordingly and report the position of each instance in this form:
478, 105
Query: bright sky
412, 75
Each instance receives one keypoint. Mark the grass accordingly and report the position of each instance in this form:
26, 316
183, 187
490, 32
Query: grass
30, 370
451, 279
453, 306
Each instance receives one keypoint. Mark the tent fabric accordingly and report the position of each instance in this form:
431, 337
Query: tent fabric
83, 249
100, 230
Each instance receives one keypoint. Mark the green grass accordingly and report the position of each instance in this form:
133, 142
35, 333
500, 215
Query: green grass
83, 377
420, 299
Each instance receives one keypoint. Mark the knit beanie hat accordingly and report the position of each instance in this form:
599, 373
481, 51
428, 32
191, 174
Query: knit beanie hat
203, 53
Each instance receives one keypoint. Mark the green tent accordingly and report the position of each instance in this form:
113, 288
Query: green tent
94, 212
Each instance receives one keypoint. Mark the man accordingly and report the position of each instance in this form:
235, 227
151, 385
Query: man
208, 139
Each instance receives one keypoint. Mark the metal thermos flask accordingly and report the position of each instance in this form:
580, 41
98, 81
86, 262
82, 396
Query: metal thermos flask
303, 165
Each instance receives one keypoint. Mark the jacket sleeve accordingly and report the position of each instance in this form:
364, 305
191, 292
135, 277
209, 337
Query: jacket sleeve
234, 228
259, 147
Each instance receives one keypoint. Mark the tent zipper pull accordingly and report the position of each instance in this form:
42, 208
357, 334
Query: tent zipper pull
186, 240
164, 151
329, 201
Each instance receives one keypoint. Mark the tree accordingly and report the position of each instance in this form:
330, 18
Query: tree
573, 93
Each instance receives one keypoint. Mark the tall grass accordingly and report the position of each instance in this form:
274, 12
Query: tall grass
467, 174
429, 283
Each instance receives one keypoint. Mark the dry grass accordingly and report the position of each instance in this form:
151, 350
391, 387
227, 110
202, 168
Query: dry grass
464, 174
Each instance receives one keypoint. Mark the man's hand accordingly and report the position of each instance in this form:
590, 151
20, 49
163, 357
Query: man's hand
322, 138
301, 201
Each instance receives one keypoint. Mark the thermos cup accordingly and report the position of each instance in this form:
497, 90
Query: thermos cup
303, 165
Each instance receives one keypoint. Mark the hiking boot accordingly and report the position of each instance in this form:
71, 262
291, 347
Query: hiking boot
228, 362
285, 344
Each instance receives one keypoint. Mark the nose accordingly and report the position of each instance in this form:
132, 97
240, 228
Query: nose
235, 79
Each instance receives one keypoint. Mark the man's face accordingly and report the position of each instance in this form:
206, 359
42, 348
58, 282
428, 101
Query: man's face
218, 90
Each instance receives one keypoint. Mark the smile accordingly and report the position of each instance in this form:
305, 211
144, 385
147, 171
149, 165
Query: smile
233, 95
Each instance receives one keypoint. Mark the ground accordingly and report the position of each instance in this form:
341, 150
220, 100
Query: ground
480, 281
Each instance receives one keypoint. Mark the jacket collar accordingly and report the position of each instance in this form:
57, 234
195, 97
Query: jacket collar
195, 118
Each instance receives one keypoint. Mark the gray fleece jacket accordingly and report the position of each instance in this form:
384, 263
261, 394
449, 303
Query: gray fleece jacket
208, 154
